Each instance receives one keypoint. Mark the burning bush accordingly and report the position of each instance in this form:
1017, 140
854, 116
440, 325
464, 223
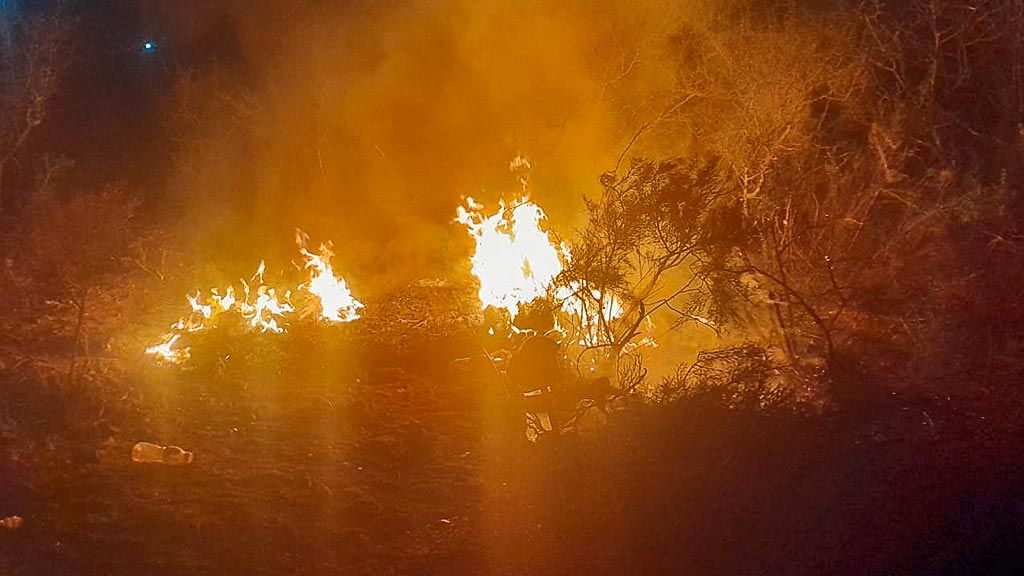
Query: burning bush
263, 308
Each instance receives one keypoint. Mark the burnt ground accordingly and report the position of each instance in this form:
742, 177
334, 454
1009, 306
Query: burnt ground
387, 447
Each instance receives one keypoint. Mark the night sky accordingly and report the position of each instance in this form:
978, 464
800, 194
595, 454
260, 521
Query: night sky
107, 115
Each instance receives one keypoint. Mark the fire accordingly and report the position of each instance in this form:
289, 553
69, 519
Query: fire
516, 260
259, 306
166, 352
590, 311
336, 301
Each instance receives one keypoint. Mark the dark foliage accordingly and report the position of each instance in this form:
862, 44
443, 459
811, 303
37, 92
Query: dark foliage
853, 198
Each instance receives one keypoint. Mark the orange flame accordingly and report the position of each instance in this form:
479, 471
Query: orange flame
259, 305
516, 261
590, 311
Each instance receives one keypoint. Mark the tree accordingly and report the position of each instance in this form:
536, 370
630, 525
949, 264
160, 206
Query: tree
28, 80
864, 199
74, 243
659, 237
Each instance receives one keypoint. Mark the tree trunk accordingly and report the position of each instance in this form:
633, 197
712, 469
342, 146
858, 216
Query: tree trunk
77, 339
3, 164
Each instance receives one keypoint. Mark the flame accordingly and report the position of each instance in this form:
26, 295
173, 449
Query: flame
336, 301
515, 260
259, 305
166, 352
591, 312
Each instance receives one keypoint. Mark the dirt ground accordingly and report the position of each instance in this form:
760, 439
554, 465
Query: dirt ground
388, 447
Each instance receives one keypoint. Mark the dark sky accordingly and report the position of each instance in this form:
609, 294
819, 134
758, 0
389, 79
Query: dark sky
106, 116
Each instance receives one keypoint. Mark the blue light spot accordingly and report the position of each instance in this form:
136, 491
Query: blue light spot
149, 47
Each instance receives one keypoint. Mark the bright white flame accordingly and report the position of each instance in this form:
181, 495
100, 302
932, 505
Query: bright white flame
590, 311
515, 260
336, 301
226, 301
166, 352
264, 311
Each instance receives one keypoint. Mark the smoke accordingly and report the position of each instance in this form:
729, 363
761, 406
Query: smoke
365, 122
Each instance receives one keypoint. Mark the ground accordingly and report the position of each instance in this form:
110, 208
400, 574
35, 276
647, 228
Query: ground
388, 447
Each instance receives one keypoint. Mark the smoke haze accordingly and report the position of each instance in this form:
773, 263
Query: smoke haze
366, 122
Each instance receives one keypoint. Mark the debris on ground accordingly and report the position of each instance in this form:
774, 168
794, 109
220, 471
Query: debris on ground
147, 452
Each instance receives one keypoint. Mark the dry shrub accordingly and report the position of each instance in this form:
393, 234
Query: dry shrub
744, 378
875, 151
74, 242
42, 403
70, 255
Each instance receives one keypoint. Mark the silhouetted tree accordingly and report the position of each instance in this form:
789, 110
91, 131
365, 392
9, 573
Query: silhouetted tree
29, 77
74, 243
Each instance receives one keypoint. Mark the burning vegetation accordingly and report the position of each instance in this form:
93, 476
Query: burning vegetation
515, 260
258, 305
754, 297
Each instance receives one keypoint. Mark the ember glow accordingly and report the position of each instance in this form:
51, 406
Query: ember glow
259, 306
